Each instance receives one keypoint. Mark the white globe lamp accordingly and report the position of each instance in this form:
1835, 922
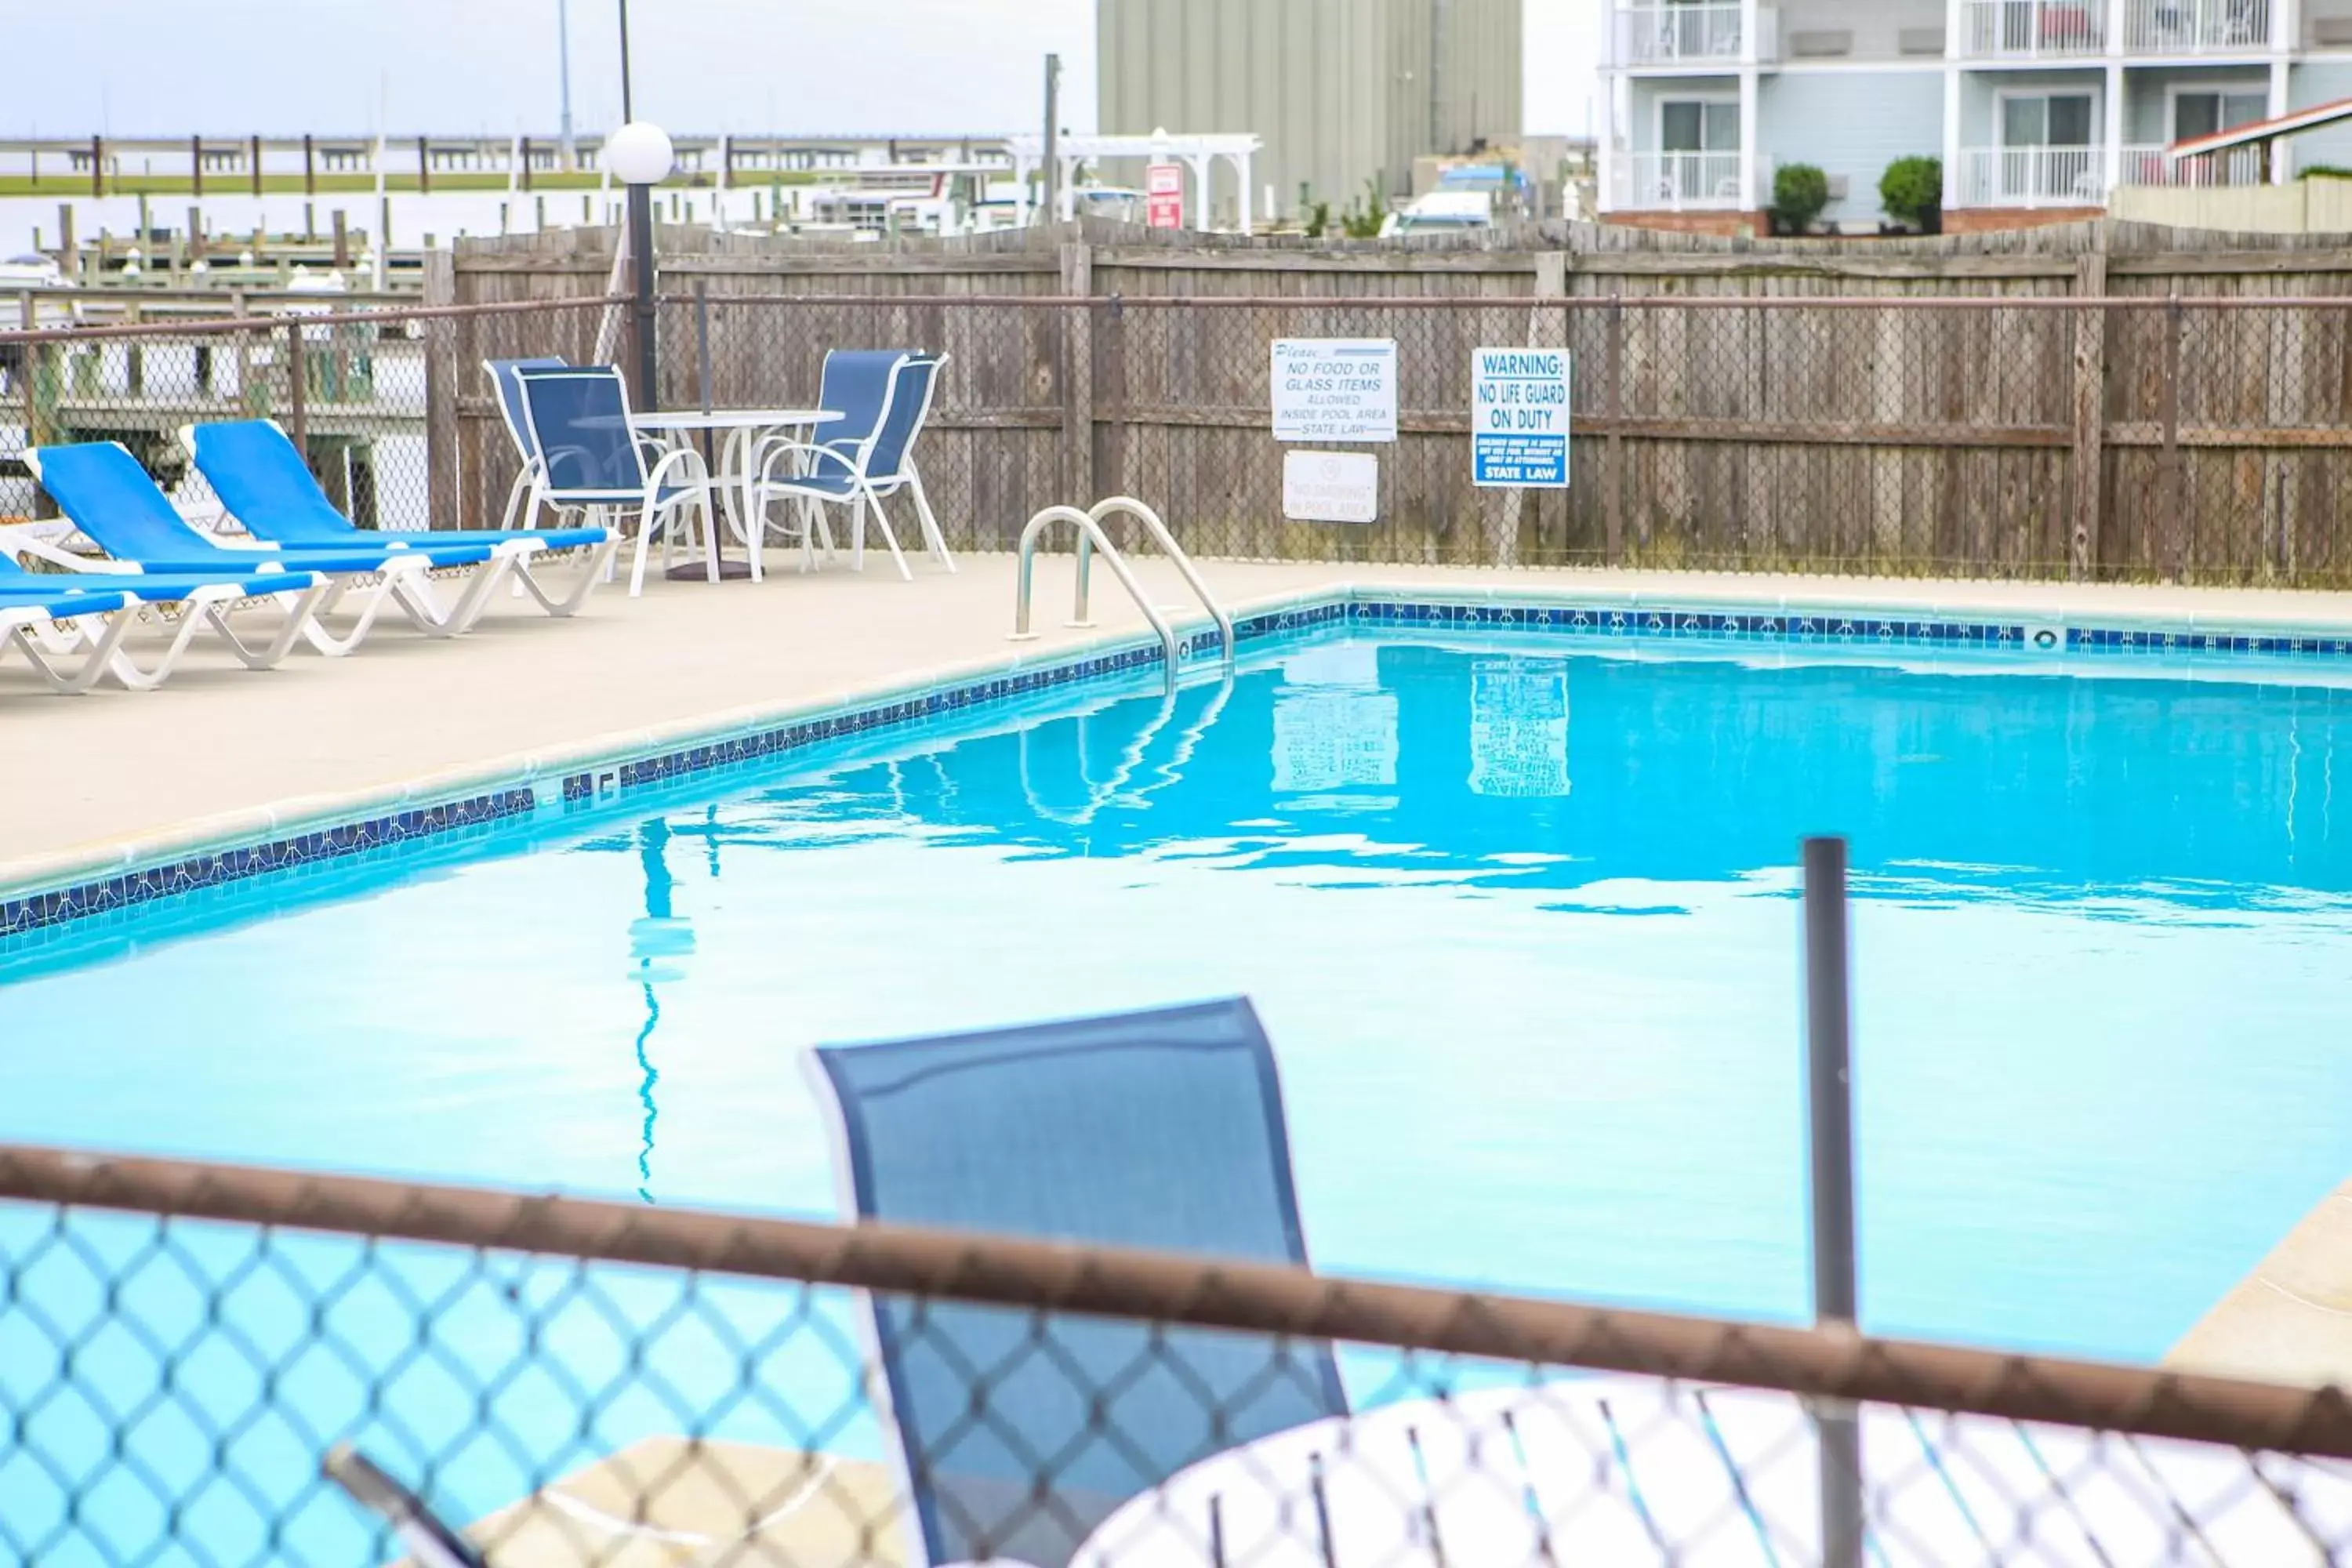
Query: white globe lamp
640, 153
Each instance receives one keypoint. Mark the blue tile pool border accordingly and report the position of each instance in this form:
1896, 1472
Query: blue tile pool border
572, 788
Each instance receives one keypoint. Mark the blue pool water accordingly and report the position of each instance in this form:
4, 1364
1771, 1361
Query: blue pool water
1518, 915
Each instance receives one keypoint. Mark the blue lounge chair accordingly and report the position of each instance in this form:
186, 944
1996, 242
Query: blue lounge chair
109, 498
1158, 1130
261, 477
28, 619
591, 458
506, 385
858, 471
206, 600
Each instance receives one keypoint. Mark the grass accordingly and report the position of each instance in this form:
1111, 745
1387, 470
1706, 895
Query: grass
64, 186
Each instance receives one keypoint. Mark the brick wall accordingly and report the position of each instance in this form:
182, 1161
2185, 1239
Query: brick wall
1731, 225
1984, 220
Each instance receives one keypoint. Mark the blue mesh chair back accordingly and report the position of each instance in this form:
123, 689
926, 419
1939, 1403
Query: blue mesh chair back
857, 386
507, 382
578, 419
259, 475
1158, 1130
102, 488
902, 420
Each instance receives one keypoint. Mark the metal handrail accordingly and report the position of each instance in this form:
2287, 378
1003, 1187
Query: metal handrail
1090, 532
1105, 509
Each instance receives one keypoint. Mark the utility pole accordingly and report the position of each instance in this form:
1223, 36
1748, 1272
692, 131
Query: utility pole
564, 71
1052, 206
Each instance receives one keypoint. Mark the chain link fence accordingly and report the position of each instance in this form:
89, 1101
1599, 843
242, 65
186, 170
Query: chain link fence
218, 1365
373, 396
2201, 440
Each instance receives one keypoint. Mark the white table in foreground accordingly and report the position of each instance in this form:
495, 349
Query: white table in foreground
737, 455
1624, 1470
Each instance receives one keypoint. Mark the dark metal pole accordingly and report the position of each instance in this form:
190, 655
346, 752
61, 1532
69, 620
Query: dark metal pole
627, 113
641, 273
1828, 1050
702, 347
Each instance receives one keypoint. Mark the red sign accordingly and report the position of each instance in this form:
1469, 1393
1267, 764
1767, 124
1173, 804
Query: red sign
1163, 192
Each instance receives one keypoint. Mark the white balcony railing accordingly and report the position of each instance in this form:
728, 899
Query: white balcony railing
2032, 30
2150, 167
2196, 27
2033, 177
1678, 182
1666, 35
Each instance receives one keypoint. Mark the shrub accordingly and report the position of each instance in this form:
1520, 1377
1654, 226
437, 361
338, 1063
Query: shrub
2324, 171
1912, 191
1363, 221
1799, 192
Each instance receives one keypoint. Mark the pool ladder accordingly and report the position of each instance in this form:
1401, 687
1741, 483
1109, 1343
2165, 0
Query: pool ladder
1091, 539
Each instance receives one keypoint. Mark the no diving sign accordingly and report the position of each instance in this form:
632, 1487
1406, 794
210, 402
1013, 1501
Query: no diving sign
1518, 414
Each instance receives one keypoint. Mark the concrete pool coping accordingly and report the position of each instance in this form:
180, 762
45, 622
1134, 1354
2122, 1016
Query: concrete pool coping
937, 618
666, 1500
2289, 1320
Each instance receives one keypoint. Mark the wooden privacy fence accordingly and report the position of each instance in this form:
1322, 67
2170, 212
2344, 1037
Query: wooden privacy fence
2079, 404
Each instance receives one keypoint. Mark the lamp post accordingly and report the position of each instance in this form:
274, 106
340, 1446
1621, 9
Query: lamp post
640, 156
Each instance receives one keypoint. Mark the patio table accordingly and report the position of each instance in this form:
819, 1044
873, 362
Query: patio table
736, 472
1627, 1470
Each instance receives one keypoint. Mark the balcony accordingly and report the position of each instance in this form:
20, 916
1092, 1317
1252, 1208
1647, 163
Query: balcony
2077, 176
2197, 27
2077, 29
2032, 30
2033, 177
1674, 35
1678, 182
2237, 166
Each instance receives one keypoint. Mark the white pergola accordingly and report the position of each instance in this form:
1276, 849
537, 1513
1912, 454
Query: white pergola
1201, 152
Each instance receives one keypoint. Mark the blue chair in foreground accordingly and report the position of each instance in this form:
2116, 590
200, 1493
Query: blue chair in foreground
848, 468
260, 476
591, 458
100, 487
30, 620
204, 600
1157, 1130
506, 385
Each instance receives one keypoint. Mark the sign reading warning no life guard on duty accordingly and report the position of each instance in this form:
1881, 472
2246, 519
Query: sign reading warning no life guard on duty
1518, 418
1335, 389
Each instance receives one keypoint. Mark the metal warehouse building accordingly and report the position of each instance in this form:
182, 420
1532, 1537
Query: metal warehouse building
1341, 91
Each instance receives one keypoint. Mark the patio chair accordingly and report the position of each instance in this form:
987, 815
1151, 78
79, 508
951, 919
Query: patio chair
506, 385
430, 1543
858, 471
261, 477
854, 386
592, 459
104, 492
1158, 1130
204, 601
28, 614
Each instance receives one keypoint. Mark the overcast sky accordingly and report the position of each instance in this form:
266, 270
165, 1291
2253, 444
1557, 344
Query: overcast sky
230, 67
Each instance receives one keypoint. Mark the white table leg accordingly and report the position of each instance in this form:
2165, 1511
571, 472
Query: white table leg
735, 474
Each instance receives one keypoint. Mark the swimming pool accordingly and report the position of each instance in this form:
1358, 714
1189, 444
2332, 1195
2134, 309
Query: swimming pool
1515, 907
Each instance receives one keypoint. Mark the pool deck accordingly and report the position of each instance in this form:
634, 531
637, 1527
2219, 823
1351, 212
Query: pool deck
2290, 1320
116, 777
